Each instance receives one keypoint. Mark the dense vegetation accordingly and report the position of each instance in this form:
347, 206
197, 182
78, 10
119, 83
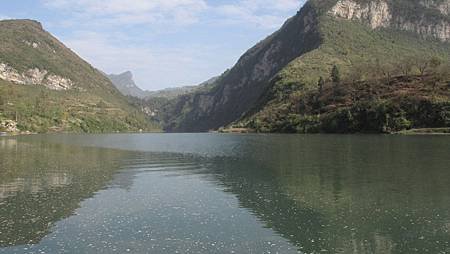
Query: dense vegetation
93, 105
385, 105
38, 109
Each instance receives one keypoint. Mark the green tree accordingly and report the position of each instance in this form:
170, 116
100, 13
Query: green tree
435, 63
406, 66
422, 65
335, 75
320, 84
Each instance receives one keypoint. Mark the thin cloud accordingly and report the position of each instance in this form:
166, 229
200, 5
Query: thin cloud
261, 13
163, 41
152, 66
181, 12
265, 14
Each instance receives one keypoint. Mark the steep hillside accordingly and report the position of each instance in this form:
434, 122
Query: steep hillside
126, 85
239, 89
44, 86
170, 93
349, 34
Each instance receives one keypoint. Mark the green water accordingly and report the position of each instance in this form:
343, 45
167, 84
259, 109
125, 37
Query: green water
211, 193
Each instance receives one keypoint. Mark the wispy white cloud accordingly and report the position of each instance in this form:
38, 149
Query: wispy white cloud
119, 35
261, 13
181, 12
265, 14
152, 66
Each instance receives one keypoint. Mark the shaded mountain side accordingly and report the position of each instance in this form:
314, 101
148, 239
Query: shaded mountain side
44, 86
238, 89
350, 34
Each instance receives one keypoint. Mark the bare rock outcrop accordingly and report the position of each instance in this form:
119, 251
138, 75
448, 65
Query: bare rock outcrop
379, 14
35, 76
375, 13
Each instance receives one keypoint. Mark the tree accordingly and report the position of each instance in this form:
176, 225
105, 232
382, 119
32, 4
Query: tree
443, 71
406, 66
335, 75
3, 101
320, 84
356, 74
422, 65
435, 63
385, 69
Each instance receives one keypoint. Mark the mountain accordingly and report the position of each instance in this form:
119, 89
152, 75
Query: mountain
170, 93
363, 40
44, 86
173, 93
126, 85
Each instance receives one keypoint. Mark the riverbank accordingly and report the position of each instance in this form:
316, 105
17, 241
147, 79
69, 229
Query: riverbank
236, 130
426, 131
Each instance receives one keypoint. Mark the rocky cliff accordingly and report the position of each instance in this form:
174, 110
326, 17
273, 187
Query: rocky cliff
35, 77
430, 17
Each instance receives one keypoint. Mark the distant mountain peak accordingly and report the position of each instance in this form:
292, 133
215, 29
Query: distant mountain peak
124, 82
126, 74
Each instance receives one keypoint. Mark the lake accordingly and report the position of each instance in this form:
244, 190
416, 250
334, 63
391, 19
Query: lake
216, 193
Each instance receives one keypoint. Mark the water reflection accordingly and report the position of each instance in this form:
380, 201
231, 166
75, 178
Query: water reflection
41, 184
265, 194
350, 194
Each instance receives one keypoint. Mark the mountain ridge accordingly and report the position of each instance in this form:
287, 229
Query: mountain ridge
306, 48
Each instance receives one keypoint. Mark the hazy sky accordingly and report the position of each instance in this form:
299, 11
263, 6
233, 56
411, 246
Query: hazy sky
164, 43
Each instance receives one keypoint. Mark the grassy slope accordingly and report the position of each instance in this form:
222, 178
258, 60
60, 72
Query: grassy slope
353, 48
348, 44
95, 106
38, 109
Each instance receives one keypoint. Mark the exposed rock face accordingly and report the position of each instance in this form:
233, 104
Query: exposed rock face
380, 13
34, 45
9, 126
440, 30
443, 6
375, 13
34, 77
56, 82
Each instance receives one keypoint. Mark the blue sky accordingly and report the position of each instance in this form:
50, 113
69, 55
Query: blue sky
165, 43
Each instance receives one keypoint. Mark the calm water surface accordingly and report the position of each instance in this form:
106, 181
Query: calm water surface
211, 193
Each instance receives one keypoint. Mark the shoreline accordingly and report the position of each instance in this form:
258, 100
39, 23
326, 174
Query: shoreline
412, 132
